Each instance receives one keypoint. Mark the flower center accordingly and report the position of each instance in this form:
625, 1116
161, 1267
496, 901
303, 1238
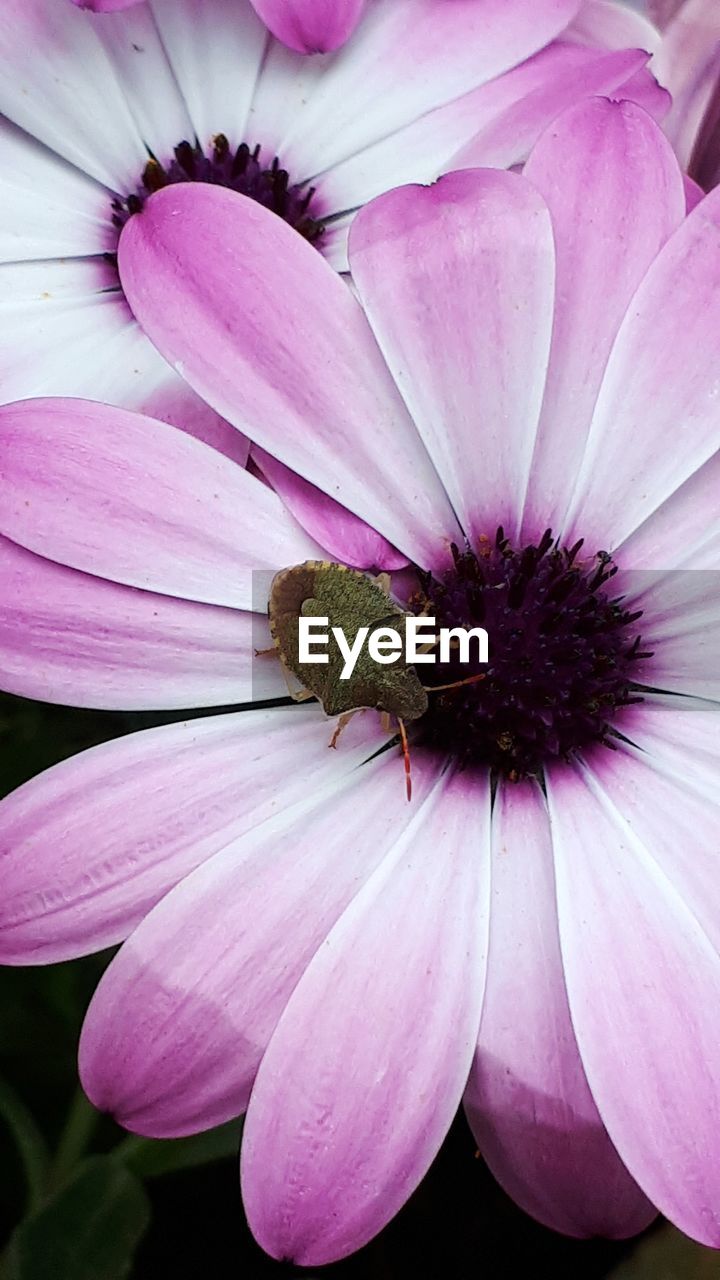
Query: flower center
564, 655
242, 170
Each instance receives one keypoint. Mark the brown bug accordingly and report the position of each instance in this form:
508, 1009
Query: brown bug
350, 600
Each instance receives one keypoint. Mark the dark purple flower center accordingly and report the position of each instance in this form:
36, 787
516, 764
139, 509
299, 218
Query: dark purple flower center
242, 170
565, 655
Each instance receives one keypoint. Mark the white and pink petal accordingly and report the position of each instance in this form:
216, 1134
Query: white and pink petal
49, 208
343, 1123
527, 1099
175, 1033
57, 83
390, 73
682, 534
680, 735
655, 421
136, 501
66, 329
275, 341
519, 106
680, 625
343, 536
135, 49
615, 194
458, 283
215, 49
90, 846
635, 865
72, 638
495, 125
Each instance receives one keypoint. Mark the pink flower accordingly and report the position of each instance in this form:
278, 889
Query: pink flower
688, 64
308, 26
423, 86
539, 930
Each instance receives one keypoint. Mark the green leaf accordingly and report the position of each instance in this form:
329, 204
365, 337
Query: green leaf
80, 1122
28, 1140
667, 1254
151, 1157
88, 1231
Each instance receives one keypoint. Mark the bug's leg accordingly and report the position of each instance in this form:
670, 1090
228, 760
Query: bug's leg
342, 723
386, 721
406, 757
298, 694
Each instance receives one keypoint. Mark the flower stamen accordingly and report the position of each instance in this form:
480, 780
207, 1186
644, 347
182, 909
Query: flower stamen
242, 170
561, 660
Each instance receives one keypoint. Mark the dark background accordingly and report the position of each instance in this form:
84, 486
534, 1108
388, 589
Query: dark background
83, 1201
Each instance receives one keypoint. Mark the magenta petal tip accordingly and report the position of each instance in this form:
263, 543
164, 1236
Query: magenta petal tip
311, 26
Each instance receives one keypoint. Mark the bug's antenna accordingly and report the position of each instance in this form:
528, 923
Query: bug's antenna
456, 684
406, 758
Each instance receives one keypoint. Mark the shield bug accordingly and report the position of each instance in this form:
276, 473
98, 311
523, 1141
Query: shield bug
350, 600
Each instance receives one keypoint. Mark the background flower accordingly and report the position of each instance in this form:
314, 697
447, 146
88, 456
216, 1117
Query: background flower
309, 26
152, 524
423, 85
197, 85
688, 64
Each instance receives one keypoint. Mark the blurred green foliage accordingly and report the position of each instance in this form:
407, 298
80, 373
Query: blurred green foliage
669, 1255
109, 1212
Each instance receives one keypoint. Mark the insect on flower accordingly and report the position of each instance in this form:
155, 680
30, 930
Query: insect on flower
349, 600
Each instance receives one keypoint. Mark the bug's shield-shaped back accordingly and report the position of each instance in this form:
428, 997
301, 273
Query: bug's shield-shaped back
349, 600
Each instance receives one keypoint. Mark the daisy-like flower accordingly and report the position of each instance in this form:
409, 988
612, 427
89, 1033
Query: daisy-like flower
309, 26
101, 110
539, 929
688, 64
